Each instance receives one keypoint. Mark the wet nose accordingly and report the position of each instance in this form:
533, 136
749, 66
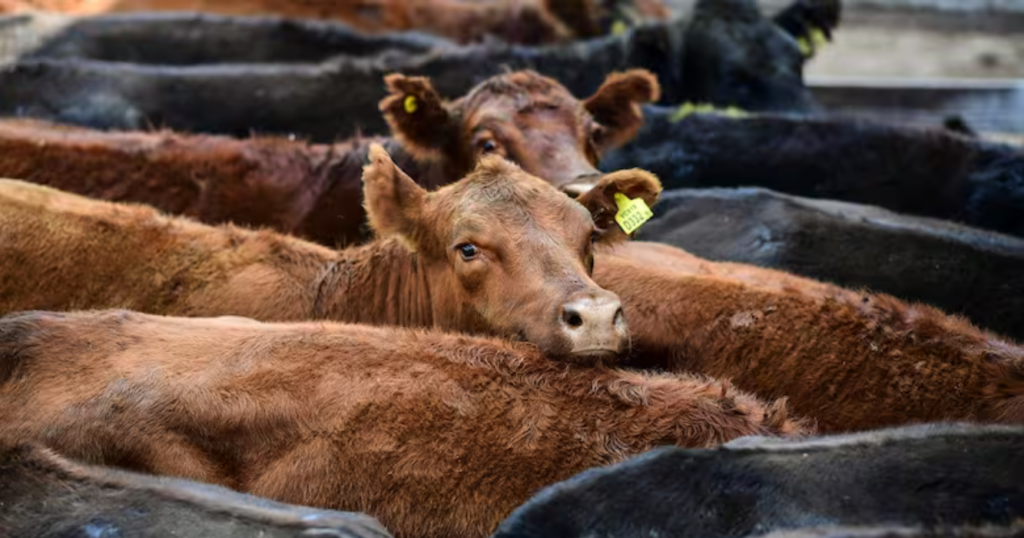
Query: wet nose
595, 326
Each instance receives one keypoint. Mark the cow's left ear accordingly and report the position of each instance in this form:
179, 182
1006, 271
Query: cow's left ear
616, 105
394, 202
417, 115
601, 202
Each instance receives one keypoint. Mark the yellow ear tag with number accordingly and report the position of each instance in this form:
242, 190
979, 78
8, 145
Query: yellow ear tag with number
632, 213
411, 104
619, 27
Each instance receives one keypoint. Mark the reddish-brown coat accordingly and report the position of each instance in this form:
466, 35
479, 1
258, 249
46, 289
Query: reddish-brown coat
520, 21
434, 434
314, 191
533, 250
851, 360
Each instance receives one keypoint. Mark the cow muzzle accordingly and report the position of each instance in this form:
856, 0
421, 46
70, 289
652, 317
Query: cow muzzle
595, 328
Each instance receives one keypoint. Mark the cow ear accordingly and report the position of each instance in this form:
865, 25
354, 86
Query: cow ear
418, 117
394, 202
616, 105
600, 200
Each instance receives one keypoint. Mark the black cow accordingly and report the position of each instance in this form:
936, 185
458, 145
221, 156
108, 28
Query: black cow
932, 173
947, 474
43, 495
726, 54
895, 531
962, 270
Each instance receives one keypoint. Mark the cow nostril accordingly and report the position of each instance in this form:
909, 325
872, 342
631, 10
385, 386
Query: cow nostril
572, 319
619, 317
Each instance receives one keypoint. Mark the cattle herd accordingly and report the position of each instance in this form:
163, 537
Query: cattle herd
379, 260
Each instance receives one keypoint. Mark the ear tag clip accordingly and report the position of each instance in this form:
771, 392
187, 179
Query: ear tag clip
632, 213
411, 104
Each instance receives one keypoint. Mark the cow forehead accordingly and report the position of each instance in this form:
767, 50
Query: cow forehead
504, 100
491, 198
513, 108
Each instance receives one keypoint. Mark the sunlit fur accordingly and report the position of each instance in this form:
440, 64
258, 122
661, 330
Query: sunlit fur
66, 252
436, 435
852, 360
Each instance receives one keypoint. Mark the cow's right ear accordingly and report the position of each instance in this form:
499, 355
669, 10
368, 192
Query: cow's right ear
603, 206
394, 202
417, 115
616, 105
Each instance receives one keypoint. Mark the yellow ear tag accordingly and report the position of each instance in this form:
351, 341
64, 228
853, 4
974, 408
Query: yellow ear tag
632, 213
814, 40
411, 104
805, 46
618, 27
818, 37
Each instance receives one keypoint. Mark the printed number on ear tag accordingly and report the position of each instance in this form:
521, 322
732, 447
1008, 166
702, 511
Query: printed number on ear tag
411, 104
632, 213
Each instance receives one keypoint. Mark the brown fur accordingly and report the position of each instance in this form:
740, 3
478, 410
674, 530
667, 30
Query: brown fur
530, 119
314, 190
851, 360
433, 434
535, 246
47, 496
516, 21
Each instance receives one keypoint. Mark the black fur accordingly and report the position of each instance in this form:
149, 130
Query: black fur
931, 173
716, 57
43, 496
961, 270
202, 38
931, 475
803, 16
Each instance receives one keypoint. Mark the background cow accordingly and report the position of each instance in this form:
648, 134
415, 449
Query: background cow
46, 496
741, 57
962, 270
314, 191
932, 173
932, 476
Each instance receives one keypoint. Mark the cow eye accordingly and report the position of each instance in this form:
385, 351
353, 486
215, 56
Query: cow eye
488, 146
468, 251
594, 237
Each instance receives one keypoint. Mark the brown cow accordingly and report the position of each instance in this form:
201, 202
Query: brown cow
314, 190
43, 495
518, 21
499, 252
433, 434
851, 360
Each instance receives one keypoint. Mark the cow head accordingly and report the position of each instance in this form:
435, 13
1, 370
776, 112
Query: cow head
508, 254
524, 117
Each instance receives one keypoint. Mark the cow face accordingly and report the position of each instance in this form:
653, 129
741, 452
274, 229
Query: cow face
524, 117
508, 254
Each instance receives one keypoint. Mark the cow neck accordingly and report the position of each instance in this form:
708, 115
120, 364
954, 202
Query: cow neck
380, 283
